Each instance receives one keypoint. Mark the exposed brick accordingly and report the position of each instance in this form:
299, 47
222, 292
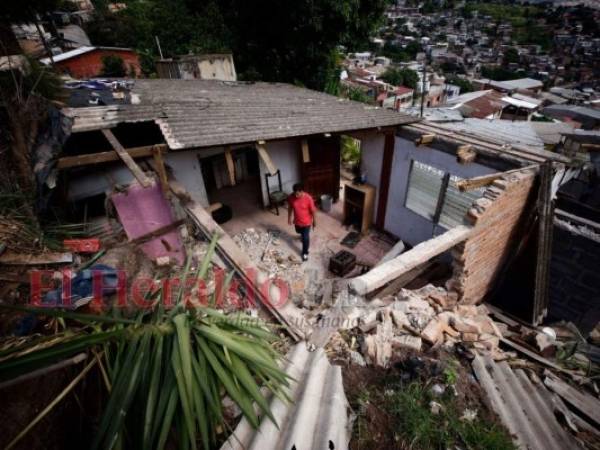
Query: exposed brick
496, 216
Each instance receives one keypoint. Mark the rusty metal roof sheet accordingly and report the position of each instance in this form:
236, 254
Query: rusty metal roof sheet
316, 419
525, 408
202, 113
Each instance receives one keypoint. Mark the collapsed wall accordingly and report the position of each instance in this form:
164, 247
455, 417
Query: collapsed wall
496, 219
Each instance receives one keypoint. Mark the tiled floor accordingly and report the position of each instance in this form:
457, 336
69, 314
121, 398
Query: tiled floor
325, 239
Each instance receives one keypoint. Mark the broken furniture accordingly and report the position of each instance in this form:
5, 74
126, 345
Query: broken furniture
342, 263
359, 201
276, 197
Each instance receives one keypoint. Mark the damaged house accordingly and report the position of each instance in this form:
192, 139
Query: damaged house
436, 239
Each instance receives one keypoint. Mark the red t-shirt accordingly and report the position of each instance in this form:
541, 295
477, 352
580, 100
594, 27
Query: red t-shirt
303, 207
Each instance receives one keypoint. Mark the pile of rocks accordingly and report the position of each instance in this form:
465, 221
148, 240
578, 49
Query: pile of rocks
427, 316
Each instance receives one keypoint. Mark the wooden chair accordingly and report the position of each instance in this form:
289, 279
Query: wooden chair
278, 196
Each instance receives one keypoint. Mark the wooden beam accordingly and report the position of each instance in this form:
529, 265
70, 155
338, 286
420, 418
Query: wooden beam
128, 160
305, 151
586, 403
230, 165
419, 254
68, 162
20, 259
160, 168
385, 177
425, 139
485, 180
264, 155
466, 154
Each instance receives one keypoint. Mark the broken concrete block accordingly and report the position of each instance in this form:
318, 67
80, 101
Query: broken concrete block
439, 298
163, 261
399, 318
407, 342
469, 337
465, 325
467, 310
433, 332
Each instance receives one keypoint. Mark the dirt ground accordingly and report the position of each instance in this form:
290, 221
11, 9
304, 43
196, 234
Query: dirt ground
388, 405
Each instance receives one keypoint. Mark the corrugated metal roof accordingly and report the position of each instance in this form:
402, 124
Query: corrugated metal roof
525, 408
80, 51
201, 113
502, 131
316, 419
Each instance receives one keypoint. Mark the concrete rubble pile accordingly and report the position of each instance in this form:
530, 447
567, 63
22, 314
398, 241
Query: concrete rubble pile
306, 281
429, 316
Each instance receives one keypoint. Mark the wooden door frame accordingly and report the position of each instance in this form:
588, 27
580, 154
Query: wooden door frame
385, 178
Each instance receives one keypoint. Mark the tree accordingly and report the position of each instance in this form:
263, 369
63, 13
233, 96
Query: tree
401, 77
511, 55
271, 40
465, 85
113, 66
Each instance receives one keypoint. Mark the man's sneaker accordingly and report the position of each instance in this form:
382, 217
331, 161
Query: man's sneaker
305, 257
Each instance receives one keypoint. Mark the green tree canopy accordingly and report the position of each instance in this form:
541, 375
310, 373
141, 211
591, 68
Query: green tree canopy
271, 40
401, 77
113, 66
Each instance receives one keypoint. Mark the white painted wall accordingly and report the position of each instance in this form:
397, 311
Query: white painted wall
286, 157
401, 221
99, 182
188, 171
185, 165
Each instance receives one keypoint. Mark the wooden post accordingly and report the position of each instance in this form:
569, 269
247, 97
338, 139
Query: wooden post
264, 155
230, 166
305, 151
127, 159
160, 168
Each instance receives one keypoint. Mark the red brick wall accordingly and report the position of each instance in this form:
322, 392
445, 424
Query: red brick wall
89, 64
496, 219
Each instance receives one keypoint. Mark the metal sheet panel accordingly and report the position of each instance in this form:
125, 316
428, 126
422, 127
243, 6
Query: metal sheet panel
525, 408
317, 417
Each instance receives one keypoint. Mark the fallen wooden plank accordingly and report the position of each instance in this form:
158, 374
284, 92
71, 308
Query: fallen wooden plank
137, 172
394, 286
19, 259
485, 180
264, 155
587, 404
538, 358
418, 255
68, 162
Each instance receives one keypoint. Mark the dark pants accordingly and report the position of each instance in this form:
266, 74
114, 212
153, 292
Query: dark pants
305, 233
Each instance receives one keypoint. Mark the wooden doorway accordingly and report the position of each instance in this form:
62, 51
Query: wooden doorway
321, 174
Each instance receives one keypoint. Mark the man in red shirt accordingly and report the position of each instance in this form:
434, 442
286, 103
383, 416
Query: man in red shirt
301, 204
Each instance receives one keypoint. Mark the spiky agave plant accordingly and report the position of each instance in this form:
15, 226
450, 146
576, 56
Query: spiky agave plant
166, 370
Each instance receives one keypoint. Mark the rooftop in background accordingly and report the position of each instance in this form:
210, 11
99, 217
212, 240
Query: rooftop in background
80, 51
203, 113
